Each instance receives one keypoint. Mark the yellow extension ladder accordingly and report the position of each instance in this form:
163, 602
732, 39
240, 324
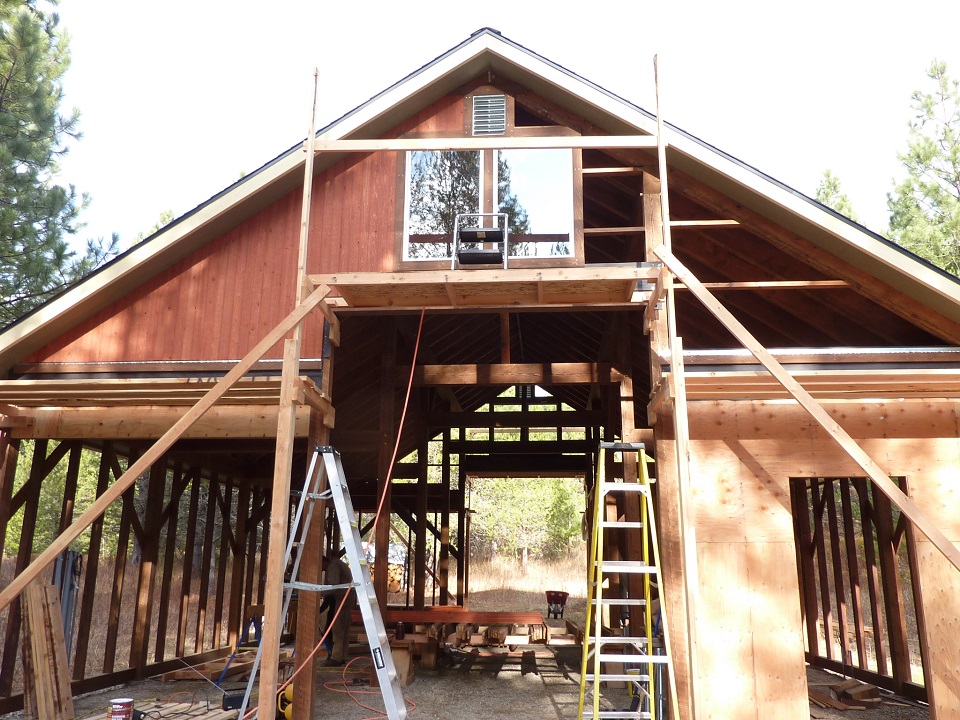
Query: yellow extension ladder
639, 654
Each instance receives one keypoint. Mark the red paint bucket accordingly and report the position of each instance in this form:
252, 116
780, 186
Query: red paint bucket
120, 709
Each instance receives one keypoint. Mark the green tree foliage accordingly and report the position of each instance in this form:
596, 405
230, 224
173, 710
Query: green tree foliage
526, 516
444, 184
37, 215
925, 207
51, 502
830, 194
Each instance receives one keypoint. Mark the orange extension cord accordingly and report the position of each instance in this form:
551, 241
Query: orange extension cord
383, 497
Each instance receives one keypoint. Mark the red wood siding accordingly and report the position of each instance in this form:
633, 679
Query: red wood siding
219, 301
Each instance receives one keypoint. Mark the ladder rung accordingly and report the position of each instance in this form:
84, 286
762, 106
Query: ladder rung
627, 566
633, 602
634, 659
608, 486
618, 677
312, 587
623, 524
622, 640
613, 714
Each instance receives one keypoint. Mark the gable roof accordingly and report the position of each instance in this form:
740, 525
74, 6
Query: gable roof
487, 51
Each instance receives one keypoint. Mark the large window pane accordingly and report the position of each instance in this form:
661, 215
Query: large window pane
535, 187
440, 185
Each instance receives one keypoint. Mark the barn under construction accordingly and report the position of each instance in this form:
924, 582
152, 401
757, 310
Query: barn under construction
493, 266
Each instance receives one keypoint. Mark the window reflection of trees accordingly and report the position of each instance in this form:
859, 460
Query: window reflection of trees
444, 184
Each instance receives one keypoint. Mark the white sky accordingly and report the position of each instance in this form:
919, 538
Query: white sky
178, 98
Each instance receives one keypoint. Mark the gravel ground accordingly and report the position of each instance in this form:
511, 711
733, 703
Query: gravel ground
533, 683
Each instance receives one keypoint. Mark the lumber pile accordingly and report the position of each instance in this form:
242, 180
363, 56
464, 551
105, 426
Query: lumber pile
847, 695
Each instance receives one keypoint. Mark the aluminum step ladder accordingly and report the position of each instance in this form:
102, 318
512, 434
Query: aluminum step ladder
642, 664
394, 705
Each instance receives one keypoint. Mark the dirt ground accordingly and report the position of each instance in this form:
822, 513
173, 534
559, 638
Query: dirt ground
534, 683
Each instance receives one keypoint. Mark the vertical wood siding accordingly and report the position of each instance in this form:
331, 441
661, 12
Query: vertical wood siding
220, 300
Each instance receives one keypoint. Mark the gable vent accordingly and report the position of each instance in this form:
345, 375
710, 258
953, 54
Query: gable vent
489, 114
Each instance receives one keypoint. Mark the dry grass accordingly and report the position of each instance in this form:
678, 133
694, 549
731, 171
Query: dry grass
502, 584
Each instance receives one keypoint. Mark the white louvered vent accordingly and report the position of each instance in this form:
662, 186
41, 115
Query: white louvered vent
489, 114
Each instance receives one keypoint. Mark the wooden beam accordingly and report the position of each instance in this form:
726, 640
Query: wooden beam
632, 230
613, 171
125, 481
537, 419
777, 285
599, 142
152, 421
516, 374
882, 480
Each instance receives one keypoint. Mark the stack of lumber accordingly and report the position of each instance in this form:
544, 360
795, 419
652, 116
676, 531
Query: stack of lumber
846, 695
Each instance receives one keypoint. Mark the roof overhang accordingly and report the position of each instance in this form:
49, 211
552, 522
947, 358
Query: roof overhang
484, 52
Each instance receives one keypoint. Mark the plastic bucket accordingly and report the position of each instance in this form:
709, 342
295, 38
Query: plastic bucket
120, 709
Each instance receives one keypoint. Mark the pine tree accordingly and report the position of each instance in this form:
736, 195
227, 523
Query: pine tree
925, 207
37, 215
830, 194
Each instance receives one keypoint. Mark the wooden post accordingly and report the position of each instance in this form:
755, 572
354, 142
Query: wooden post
177, 486
388, 362
28, 526
235, 617
892, 592
279, 520
148, 569
420, 541
283, 465
308, 603
93, 566
445, 520
187, 579
203, 594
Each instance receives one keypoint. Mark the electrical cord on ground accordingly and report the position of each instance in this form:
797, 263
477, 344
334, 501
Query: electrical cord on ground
342, 686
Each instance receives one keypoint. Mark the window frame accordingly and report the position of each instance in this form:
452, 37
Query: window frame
576, 259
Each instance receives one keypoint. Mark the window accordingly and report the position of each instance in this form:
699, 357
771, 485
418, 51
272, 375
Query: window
534, 188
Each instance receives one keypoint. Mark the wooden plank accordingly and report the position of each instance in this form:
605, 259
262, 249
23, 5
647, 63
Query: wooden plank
777, 285
487, 143
889, 488
159, 448
49, 653
144, 422
627, 230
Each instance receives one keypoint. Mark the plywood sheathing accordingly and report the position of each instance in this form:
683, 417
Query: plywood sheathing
743, 455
